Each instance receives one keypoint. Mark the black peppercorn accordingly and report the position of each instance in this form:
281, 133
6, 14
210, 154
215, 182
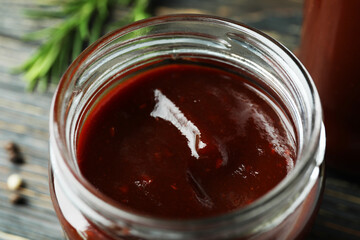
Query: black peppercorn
14, 153
16, 199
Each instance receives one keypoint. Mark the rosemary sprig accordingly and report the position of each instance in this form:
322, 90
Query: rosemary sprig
82, 22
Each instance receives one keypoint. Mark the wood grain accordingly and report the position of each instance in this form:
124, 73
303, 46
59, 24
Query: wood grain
24, 118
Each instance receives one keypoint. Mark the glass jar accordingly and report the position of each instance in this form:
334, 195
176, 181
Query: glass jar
331, 53
285, 212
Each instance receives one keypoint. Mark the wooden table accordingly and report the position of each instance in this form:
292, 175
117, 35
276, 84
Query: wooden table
24, 119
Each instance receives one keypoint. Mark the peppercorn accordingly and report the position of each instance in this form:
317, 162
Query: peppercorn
14, 182
14, 153
17, 199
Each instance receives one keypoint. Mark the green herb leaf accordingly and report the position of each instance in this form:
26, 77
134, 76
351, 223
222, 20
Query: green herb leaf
82, 22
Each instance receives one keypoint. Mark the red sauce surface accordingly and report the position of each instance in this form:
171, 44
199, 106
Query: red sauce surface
185, 141
330, 50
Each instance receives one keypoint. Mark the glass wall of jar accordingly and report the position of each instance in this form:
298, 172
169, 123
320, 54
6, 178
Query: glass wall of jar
331, 53
285, 212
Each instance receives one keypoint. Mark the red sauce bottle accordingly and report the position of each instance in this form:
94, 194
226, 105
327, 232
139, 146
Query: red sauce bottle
186, 127
331, 53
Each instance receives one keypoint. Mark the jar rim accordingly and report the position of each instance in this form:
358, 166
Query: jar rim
308, 153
